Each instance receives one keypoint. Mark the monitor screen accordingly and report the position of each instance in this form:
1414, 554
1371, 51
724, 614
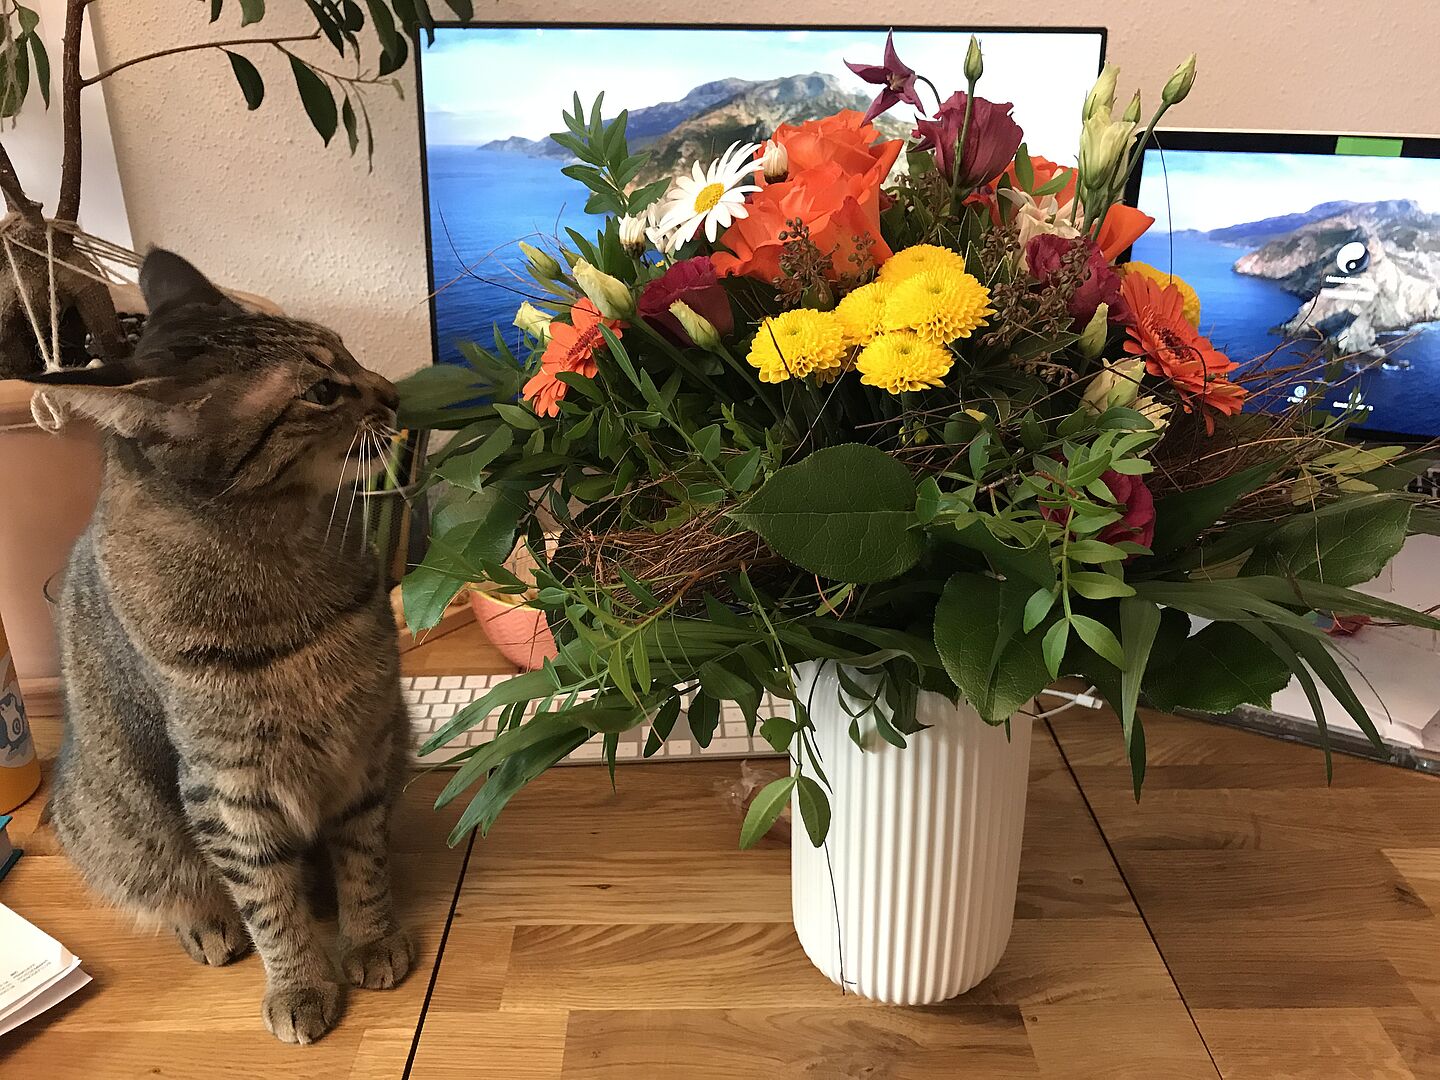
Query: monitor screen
492, 95
1321, 264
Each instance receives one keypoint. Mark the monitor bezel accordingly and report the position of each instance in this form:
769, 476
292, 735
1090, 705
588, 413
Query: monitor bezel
417, 51
1224, 140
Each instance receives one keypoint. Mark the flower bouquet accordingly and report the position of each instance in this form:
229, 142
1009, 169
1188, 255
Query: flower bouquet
880, 427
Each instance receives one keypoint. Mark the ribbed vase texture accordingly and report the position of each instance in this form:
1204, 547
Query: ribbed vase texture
911, 899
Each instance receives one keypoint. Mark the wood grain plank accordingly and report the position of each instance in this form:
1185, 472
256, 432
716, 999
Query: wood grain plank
494, 1046
1302, 1044
988, 1042
1080, 1042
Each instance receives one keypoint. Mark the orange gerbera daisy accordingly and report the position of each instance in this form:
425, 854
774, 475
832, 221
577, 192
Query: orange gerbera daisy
1174, 349
571, 348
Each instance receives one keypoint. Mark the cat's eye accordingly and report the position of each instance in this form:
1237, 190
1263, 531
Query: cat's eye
324, 392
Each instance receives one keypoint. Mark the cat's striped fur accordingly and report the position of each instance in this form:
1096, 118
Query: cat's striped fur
229, 654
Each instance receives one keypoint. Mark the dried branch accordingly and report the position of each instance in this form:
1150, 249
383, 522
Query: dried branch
16, 201
67, 205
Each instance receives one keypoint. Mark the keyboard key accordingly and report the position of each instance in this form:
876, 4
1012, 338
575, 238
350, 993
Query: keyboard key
730, 746
451, 682
477, 682
433, 697
425, 682
462, 696
443, 712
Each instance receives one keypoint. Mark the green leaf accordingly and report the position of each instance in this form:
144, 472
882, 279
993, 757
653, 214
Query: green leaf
779, 732
1179, 519
703, 716
662, 725
42, 66
1094, 551
1218, 669
1347, 546
976, 632
721, 683
347, 118
251, 11
14, 78
427, 591
1024, 170
1139, 622
1100, 638
765, 810
316, 97
927, 501
1037, 607
707, 442
1053, 646
467, 470
215, 9
1096, 586
246, 74
518, 416
814, 809
464, 10
844, 513
1318, 596
516, 771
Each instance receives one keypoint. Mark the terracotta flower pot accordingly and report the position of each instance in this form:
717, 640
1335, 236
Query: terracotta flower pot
520, 633
48, 485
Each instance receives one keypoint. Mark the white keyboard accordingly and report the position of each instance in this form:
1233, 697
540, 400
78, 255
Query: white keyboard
433, 700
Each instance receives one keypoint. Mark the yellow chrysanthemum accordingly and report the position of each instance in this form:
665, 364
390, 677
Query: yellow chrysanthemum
796, 344
903, 361
862, 313
939, 305
919, 260
1191, 305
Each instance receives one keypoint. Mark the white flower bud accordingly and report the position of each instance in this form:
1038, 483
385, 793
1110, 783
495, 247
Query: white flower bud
1092, 339
611, 296
701, 330
533, 321
1178, 88
1132, 111
1103, 143
974, 62
632, 234
1157, 412
1117, 384
1101, 97
775, 162
542, 266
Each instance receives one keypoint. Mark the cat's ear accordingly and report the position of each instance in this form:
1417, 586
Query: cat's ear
116, 397
169, 283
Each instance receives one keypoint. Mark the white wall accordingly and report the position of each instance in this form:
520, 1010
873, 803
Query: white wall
257, 201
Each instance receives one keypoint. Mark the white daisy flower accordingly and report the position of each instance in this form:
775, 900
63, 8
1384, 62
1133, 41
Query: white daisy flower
660, 240
712, 197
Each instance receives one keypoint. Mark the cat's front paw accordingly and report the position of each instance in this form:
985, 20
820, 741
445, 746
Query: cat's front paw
301, 1014
380, 964
215, 943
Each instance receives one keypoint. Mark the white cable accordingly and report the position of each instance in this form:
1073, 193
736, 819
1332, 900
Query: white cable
1085, 700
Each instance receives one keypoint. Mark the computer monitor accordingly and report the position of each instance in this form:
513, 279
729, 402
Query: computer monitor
491, 96
1316, 254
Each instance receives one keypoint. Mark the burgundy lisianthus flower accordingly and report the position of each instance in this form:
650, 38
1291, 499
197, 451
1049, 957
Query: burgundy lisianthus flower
693, 281
1134, 498
1136, 504
896, 78
990, 144
1046, 253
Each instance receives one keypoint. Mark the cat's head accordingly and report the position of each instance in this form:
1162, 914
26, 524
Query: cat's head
221, 399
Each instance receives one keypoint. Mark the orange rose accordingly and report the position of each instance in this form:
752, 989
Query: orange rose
836, 169
844, 139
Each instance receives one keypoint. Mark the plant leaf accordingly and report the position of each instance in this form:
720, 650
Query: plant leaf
316, 97
765, 810
814, 808
251, 11
844, 513
1346, 546
246, 74
1139, 621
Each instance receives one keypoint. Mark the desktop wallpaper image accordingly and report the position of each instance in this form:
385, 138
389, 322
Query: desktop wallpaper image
494, 176
1299, 255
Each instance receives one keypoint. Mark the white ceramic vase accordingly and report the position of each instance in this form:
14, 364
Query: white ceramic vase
911, 899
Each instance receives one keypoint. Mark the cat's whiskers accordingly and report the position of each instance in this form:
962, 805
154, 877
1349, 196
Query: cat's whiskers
339, 484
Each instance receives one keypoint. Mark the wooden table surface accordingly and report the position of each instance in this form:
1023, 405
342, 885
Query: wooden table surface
1242, 921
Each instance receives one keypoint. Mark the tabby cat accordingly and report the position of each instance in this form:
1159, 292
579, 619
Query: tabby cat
232, 696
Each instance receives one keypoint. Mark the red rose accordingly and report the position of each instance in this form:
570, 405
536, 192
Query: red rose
1134, 498
693, 281
1136, 505
1045, 254
990, 144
